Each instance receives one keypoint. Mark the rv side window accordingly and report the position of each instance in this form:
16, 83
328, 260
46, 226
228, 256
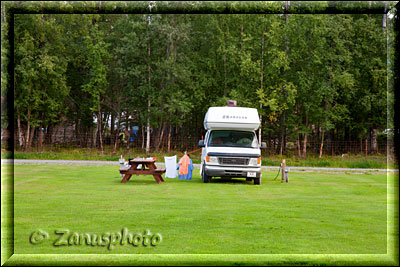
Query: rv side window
233, 139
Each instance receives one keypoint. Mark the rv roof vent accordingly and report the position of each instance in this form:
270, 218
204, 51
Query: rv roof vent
231, 103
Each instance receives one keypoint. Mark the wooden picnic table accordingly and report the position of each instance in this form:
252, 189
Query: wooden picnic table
147, 167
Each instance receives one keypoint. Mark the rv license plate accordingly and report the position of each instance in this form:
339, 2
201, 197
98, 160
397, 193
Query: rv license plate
251, 174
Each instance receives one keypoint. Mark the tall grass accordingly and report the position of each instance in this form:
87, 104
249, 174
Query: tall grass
378, 161
89, 154
352, 161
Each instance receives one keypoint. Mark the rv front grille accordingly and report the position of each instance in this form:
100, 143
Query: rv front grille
234, 161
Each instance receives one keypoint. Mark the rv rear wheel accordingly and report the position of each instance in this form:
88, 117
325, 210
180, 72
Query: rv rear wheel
257, 180
204, 176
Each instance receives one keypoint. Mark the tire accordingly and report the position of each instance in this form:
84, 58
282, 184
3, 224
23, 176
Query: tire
257, 181
204, 176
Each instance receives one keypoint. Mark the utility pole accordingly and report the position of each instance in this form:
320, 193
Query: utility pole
283, 116
261, 83
41, 139
151, 5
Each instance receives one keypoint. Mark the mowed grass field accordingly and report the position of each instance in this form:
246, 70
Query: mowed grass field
315, 213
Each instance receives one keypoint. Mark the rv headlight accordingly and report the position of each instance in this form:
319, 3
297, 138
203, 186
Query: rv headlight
212, 159
255, 161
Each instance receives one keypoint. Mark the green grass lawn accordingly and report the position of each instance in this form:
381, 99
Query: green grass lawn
314, 213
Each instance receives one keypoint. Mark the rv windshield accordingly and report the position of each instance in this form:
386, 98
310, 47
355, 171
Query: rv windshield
233, 139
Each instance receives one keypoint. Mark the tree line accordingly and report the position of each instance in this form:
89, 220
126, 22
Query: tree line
308, 75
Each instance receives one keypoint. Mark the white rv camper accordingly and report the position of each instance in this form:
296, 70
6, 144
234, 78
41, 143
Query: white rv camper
230, 147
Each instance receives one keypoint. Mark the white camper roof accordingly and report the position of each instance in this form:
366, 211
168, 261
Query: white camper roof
234, 118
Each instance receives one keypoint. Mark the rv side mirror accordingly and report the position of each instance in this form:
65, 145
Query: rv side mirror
263, 145
201, 143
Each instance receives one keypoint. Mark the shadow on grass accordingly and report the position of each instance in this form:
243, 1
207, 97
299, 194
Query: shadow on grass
218, 180
230, 181
140, 180
136, 181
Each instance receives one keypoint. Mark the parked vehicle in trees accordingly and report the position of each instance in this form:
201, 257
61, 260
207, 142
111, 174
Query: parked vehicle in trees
230, 148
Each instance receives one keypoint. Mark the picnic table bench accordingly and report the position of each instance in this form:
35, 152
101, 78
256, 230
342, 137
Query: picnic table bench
141, 166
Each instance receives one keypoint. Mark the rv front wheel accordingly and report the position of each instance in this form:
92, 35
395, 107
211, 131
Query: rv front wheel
257, 180
204, 176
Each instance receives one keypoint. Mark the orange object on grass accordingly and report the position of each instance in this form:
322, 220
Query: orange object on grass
184, 164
